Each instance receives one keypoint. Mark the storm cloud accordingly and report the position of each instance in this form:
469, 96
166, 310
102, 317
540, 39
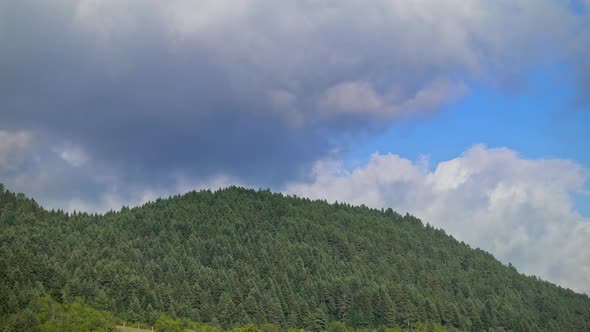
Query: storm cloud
256, 89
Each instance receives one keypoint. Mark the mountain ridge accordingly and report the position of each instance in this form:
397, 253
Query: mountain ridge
237, 256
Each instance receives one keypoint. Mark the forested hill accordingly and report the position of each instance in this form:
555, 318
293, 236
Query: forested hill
239, 256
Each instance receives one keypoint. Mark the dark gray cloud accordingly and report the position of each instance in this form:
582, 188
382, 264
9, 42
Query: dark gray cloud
256, 90
137, 104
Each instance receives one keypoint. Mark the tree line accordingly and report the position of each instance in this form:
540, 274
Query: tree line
240, 257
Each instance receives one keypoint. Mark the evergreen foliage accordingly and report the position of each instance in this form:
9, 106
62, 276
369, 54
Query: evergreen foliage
254, 260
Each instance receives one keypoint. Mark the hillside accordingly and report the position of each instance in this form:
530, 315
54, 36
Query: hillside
239, 256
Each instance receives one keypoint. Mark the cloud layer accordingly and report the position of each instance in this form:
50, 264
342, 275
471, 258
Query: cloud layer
257, 89
518, 209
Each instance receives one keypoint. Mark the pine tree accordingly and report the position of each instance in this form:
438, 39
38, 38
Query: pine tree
431, 311
390, 317
151, 314
226, 309
102, 301
135, 312
316, 321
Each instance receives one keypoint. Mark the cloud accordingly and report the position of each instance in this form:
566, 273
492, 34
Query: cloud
14, 148
360, 98
219, 86
519, 209
354, 97
72, 154
61, 175
116, 195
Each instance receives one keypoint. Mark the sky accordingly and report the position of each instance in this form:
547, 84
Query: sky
472, 115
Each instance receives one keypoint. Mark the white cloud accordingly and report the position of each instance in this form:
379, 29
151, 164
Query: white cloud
519, 209
116, 195
359, 97
72, 154
353, 97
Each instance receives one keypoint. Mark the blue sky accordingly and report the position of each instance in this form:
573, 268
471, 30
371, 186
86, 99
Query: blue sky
543, 122
108, 103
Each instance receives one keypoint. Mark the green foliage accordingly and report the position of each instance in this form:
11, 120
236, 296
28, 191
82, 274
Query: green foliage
45, 314
336, 327
76, 316
167, 324
247, 328
246, 259
24, 320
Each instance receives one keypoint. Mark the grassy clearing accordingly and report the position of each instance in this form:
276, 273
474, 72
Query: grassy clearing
134, 329
131, 329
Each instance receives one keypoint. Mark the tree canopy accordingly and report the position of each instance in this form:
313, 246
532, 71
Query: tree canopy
240, 256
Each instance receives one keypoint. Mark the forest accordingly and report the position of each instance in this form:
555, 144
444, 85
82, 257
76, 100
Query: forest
252, 260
